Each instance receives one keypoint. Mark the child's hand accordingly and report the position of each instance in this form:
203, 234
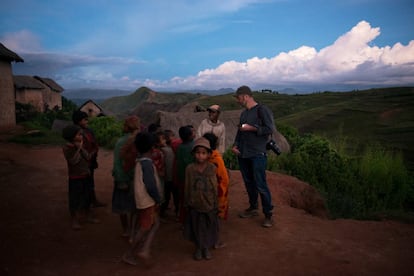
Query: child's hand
79, 144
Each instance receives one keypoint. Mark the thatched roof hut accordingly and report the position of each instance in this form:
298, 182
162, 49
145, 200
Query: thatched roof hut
51, 84
40, 92
8, 55
92, 109
7, 100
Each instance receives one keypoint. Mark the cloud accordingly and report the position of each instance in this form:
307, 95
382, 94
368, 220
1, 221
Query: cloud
147, 21
349, 60
21, 41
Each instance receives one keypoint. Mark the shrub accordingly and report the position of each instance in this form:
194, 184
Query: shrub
359, 187
230, 160
107, 130
385, 180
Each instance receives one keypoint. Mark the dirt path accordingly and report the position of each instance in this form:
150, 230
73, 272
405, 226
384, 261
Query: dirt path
37, 238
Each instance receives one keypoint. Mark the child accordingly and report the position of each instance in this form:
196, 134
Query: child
123, 202
157, 155
222, 180
170, 152
148, 197
90, 144
200, 199
168, 176
77, 159
183, 158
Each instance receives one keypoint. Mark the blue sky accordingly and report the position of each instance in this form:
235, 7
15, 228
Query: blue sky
172, 45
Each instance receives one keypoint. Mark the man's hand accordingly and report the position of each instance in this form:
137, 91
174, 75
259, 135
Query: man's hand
247, 127
235, 150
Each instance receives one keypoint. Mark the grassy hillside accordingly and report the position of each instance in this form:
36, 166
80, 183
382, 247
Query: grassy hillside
375, 116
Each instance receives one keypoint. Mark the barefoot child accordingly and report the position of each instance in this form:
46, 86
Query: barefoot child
222, 181
77, 159
125, 154
148, 195
200, 200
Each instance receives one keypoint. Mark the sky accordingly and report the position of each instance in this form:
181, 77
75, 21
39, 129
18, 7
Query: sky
177, 45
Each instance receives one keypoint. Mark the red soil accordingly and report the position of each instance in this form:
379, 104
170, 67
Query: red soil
37, 238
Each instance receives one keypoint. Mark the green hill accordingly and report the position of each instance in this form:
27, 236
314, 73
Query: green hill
375, 116
130, 104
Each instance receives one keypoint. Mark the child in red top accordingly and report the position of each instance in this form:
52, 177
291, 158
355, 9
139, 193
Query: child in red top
77, 159
157, 155
90, 144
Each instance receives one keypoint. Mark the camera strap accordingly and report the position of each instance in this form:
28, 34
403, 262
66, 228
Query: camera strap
260, 116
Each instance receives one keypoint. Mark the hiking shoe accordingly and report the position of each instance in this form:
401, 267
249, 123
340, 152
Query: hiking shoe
207, 254
268, 222
198, 255
249, 212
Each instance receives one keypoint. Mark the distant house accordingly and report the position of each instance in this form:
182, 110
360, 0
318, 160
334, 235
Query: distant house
7, 99
53, 95
42, 93
28, 90
92, 109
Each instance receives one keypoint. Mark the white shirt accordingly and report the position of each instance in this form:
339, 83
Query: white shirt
217, 129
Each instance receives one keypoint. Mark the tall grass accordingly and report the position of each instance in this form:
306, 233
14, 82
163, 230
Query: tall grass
385, 179
373, 183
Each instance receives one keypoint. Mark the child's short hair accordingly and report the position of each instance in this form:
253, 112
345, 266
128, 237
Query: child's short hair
154, 127
70, 131
78, 115
185, 133
144, 142
212, 138
159, 135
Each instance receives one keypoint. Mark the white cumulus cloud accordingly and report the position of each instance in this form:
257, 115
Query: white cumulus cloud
349, 60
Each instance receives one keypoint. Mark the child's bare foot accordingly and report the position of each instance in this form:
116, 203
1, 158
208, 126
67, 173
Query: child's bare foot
93, 220
146, 259
219, 245
126, 258
76, 226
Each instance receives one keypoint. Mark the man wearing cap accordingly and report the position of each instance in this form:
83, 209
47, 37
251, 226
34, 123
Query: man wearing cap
214, 125
255, 126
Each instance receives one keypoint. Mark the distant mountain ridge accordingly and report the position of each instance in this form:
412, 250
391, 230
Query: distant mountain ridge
144, 103
102, 94
91, 93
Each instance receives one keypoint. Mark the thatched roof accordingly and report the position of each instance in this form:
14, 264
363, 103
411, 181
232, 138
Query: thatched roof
8, 55
102, 112
27, 82
51, 83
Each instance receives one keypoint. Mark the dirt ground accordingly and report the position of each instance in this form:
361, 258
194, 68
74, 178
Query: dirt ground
37, 238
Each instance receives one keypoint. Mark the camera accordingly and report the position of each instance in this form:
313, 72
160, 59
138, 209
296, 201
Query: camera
271, 145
